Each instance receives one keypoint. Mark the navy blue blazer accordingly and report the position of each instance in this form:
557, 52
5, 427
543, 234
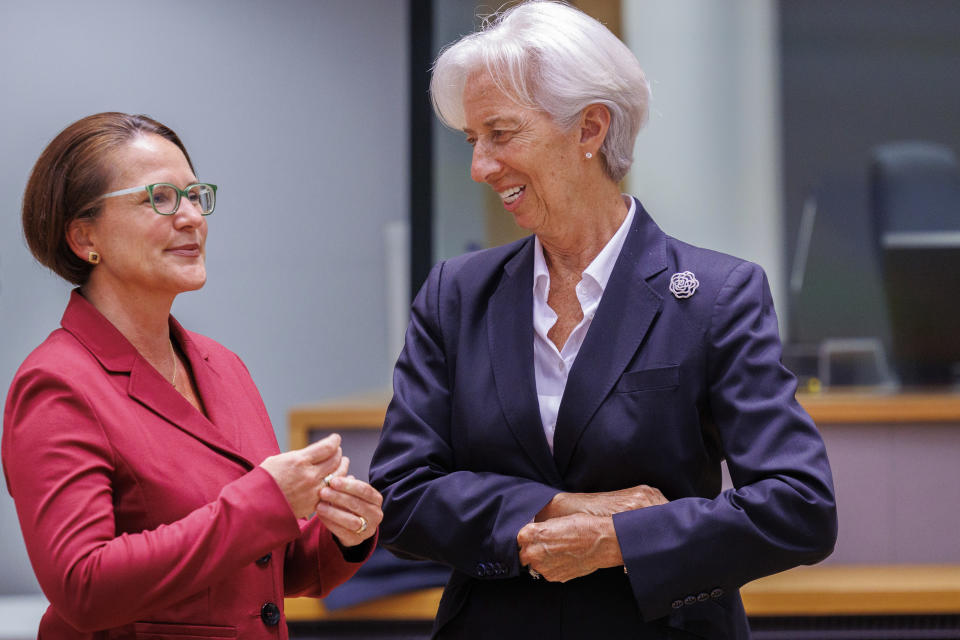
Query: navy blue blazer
662, 391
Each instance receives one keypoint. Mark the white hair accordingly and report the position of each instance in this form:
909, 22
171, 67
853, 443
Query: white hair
549, 56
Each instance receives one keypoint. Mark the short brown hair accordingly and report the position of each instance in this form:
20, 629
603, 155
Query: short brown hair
68, 179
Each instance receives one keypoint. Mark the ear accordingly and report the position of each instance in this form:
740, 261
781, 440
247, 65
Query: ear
594, 123
80, 237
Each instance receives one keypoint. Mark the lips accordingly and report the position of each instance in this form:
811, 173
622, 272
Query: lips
191, 249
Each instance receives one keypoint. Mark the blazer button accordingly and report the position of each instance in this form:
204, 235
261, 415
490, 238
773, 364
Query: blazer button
703, 595
270, 614
481, 569
690, 600
716, 593
676, 604
264, 560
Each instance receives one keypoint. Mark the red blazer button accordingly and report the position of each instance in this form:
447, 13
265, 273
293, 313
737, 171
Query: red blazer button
270, 614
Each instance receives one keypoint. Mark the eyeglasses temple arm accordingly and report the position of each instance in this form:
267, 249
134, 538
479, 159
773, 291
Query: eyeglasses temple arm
123, 192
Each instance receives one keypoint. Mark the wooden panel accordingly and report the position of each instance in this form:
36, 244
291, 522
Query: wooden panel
874, 408
856, 590
367, 412
360, 412
821, 590
415, 605
804, 591
607, 12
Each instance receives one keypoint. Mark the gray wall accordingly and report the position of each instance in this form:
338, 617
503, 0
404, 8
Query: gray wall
707, 165
459, 203
296, 109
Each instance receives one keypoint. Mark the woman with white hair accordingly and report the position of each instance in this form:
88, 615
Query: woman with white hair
563, 403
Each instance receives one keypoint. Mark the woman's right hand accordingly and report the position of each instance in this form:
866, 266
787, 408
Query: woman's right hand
604, 503
300, 473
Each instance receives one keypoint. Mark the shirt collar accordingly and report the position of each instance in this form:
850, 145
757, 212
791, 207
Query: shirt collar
598, 270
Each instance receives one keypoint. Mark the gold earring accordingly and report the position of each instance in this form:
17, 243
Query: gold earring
93, 257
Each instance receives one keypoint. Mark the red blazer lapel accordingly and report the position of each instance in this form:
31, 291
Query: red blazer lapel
147, 386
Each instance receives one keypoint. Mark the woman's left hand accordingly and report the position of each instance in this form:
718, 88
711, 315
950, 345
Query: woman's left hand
603, 503
568, 547
350, 509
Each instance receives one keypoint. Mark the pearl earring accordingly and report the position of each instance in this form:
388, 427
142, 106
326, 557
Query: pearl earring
588, 155
93, 257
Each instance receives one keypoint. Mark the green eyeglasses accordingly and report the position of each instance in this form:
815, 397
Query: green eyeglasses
165, 197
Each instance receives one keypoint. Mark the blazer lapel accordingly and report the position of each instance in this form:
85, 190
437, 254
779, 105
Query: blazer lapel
222, 420
146, 385
510, 333
627, 310
150, 389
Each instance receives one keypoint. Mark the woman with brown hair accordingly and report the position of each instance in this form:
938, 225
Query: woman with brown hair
151, 493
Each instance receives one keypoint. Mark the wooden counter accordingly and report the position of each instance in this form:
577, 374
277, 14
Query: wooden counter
856, 590
836, 407
804, 591
872, 437
414, 605
831, 407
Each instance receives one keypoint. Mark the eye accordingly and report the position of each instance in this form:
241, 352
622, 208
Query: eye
472, 141
164, 197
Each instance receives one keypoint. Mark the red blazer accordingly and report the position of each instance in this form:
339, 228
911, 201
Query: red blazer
142, 517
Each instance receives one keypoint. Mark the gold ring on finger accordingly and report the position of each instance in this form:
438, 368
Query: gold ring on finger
363, 525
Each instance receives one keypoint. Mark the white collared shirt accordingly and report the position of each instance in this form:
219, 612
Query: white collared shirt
550, 366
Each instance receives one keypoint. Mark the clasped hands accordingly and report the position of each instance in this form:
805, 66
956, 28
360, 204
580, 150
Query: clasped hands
574, 536
314, 480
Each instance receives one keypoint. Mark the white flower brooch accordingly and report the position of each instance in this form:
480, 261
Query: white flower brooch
683, 284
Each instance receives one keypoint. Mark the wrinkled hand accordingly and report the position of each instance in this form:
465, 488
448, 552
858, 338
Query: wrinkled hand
568, 547
604, 503
350, 509
300, 473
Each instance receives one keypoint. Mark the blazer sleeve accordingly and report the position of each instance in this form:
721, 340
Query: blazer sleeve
781, 511
434, 510
58, 465
316, 563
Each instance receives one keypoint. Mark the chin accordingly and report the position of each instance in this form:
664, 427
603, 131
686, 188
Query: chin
524, 222
192, 282
196, 286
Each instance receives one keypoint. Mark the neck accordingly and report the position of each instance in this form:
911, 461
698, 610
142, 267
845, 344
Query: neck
142, 319
587, 229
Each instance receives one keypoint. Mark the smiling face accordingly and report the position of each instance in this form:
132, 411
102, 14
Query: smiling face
142, 253
522, 154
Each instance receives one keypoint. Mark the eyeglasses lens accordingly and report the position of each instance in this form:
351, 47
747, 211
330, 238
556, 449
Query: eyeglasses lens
204, 196
164, 199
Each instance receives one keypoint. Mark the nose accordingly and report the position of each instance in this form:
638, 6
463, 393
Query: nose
188, 214
484, 164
